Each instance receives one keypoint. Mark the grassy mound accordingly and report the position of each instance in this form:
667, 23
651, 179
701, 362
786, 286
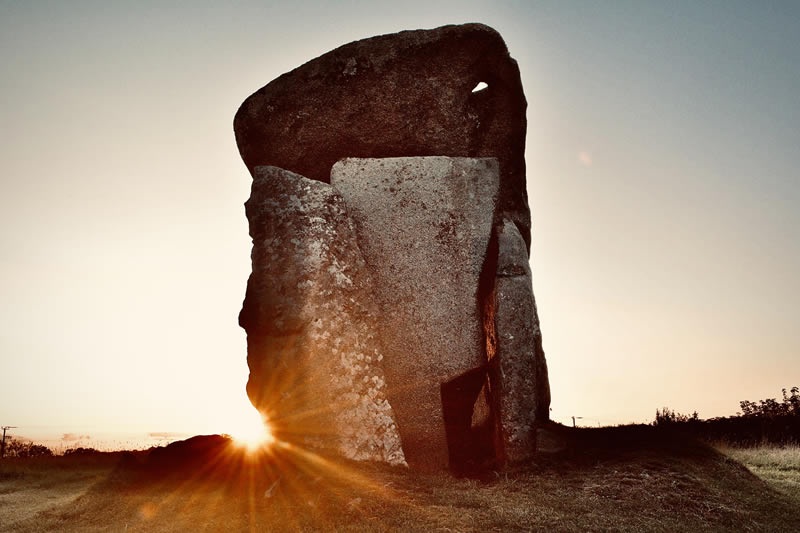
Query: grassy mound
608, 479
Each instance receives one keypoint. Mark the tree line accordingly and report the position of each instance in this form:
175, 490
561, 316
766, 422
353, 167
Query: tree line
768, 421
28, 449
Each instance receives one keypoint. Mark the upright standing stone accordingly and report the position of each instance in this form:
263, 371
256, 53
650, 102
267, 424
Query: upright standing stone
424, 225
522, 387
312, 344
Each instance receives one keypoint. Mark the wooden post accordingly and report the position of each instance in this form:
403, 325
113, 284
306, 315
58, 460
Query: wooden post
3, 443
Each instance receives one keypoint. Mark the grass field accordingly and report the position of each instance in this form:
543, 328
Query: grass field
779, 466
608, 479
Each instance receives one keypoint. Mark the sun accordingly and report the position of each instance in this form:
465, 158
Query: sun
251, 430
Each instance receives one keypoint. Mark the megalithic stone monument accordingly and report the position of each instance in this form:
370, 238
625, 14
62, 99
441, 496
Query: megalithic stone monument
390, 313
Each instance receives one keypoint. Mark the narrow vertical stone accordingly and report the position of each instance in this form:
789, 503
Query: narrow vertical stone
523, 390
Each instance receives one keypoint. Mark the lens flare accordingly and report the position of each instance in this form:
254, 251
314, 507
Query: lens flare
252, 430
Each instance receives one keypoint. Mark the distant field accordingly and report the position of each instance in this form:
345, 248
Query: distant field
610, 479
779, 466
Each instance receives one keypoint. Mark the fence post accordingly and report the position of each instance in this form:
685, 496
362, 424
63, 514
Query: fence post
3, 443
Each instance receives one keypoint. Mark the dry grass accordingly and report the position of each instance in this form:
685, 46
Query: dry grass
779, 466
29, 487
609, 480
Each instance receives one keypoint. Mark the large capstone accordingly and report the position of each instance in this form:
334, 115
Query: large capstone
404, 94
424, 226
313, 347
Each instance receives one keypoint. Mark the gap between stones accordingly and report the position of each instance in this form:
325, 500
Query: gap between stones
470, 402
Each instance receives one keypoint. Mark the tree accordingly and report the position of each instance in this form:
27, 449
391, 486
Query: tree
793, 401
771, 407
25, 449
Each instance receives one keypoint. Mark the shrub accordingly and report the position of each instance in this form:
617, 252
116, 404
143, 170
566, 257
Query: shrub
24, 449
667, 416
80, 451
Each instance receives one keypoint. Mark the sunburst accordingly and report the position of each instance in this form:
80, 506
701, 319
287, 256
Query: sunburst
252, 430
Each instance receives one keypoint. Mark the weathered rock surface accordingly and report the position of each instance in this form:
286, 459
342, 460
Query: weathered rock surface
423, 227
394, 285
313, 351
522, 387
404, 94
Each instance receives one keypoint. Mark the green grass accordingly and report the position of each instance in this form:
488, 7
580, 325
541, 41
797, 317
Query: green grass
779, 466
610, 479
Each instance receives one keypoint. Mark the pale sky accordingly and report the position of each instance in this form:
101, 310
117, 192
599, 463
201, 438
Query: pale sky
662, 176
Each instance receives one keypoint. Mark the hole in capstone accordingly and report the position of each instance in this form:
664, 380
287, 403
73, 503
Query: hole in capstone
481, 86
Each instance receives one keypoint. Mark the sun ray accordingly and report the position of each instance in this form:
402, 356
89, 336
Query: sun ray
252, 430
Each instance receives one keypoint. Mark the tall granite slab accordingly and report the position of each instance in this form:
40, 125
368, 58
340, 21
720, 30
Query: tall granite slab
313, 346
403, 94
522, 390
424, 226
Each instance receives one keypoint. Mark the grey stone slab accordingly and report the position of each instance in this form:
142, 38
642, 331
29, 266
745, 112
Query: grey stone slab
523, 390
313, 346
423, 226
